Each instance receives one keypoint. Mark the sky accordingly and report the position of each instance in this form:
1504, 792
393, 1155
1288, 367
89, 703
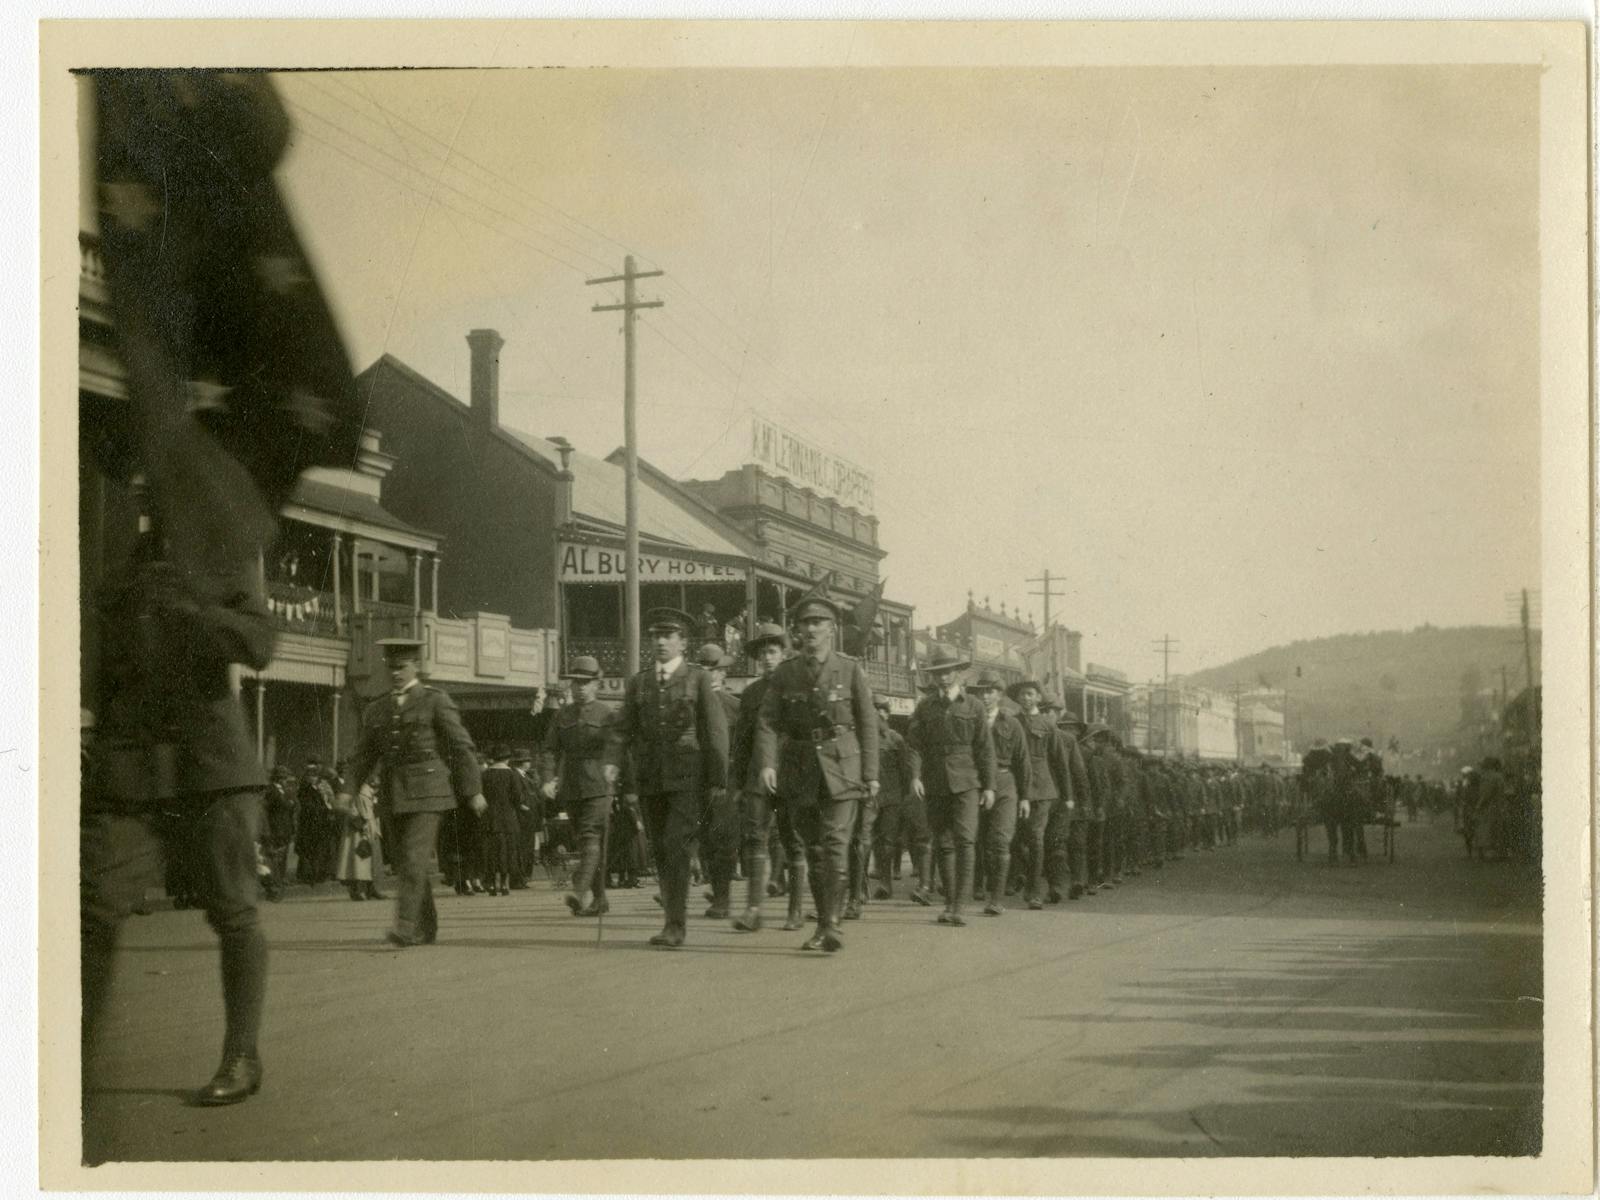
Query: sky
1241, 355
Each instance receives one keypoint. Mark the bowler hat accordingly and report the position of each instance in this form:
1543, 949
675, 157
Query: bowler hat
988, 679
709, 656
943, 658
668, 618
766, 632
585, 666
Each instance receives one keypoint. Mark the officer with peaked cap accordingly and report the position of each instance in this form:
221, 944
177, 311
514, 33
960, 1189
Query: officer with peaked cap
425, 760
580, 767
675, 732
760, 808
817, 744
952, 769
718, 833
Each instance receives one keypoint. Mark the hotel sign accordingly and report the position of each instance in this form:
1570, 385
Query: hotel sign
602, 564
778, 450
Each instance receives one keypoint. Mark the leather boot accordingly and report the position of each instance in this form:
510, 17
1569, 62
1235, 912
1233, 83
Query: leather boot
797, 892
238, 1078
755, 892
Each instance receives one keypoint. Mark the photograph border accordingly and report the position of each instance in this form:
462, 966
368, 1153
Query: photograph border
1559, 49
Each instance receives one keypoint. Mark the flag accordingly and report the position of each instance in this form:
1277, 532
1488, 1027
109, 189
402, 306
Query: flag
861, 632
237, 377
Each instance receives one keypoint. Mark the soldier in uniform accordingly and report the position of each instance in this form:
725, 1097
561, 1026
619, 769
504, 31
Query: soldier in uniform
1070, 859
1103, 745
675, 731
894, 777
761, 809
1049, 784
406, 737
997, 824
719, 826
1095, 822
952, 770
580, 767
820, 705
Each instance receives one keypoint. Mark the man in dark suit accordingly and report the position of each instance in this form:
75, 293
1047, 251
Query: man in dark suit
952, 769
997, 824
675, 732
406, 737
1049, 784
817, 743
580, 770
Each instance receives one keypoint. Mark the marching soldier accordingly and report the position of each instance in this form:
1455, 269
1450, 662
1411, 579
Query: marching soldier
894, 778
1103, 745
406, 737
1049, 784
581, 766
1071, 851
952, 770
719, 826
676, 732
1095, 818
761, 810
997, 824
820, 705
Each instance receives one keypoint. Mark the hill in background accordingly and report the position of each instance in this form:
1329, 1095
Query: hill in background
1423, 688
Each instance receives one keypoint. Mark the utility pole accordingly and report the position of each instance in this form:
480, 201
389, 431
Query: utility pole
630, 440
1527, 643
1168, 648
1046, 593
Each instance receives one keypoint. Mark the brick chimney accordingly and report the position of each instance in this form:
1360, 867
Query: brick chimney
1074, 649
486, 345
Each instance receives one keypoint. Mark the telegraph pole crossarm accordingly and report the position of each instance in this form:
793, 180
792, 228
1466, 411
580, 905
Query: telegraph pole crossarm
1047, 592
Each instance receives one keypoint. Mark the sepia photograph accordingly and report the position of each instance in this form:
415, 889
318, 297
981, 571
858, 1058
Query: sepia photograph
950, 607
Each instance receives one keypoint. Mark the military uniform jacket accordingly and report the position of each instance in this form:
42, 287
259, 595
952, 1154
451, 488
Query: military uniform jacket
676, 734
1081, 794
951, 747
894, 766
1099, 785
407, 740
1048, 773
817, 726
1012, 766
742, 769
1116, 800
579, 744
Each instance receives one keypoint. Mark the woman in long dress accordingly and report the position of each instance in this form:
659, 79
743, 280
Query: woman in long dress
360, 847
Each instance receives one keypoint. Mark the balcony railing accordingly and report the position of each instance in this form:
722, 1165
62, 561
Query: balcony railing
301, 610
890, 680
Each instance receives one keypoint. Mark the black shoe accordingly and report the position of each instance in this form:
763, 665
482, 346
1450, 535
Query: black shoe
814, 942
882, 893
947, 917
718, 912
1036, 904
748, 921
994, 909
922, 897
1054, 897
574, 904
832, 939
852, 911
669, 938
598, 908
1076, 893
238, 1078
396, 938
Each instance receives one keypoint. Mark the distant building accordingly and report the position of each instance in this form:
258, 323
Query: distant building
800, 532
1098, 694
993, 640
